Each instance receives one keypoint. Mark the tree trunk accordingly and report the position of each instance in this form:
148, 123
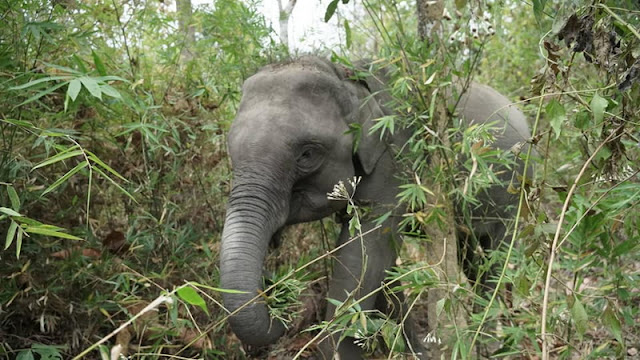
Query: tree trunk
186, 29
442, 250
285, 14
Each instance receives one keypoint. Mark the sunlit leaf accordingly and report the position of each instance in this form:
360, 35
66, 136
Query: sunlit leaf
9, 212
10, 234
189, 295
74, 89
110, 91
48, 232
91, 85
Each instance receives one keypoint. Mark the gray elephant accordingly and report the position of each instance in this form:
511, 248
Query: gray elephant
289, 146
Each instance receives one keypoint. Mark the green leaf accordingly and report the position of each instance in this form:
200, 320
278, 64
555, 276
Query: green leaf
110, 91
579, 316
383, 124
382, 218
19, 241
42, 93
98, 63
74, 89
47, 232
347, 32
80, 63
355, 130
460, 4
91, 85
96, 169
611, 321
25, 355
228, 291
192, 297
38, 81
10, 234
331, 9
598, 106
13, 196
65, 177
97, 160
538, 9
557, 115
19, 123
9, 212
59, 157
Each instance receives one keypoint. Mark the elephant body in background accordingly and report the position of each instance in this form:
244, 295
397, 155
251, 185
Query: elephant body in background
290, 145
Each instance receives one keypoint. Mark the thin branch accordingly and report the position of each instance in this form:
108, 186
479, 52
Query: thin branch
554, 245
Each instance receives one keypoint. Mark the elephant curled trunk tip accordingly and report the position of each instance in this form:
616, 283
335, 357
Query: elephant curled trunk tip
249, 225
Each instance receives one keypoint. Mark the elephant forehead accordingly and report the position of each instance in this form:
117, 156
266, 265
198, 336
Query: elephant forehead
292, 85
286, 124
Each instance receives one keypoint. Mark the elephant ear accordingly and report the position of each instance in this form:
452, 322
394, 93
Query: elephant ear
368, 94
370, 147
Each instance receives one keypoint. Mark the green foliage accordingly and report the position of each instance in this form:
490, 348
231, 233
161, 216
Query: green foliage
113, 127
113, 135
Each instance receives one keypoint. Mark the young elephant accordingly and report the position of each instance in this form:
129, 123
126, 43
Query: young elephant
289, 145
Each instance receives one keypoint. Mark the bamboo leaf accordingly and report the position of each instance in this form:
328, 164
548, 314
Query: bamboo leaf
10, 234
38, 81
97, 160
228, 291
91, 85
331, 9
65, 177
110, 91
192, 297
19, 242
74, 89
19, 123
110, 78
97, 169
47, 232
9, 212
14, 198
59, 157
579, 316
42, 93
99, 64
347, 32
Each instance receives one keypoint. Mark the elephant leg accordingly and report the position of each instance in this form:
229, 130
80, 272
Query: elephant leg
378, 251
395, 306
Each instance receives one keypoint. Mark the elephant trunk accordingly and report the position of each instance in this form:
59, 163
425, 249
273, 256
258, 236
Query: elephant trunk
255, 212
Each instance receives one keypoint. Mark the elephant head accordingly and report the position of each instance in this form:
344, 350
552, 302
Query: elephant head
289, 146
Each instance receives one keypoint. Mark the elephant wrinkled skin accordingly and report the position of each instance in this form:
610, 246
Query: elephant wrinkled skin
290, 144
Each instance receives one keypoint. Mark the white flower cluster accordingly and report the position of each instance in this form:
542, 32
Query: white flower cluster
340, 191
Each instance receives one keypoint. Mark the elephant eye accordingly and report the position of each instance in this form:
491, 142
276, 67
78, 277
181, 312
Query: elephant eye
310, 157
